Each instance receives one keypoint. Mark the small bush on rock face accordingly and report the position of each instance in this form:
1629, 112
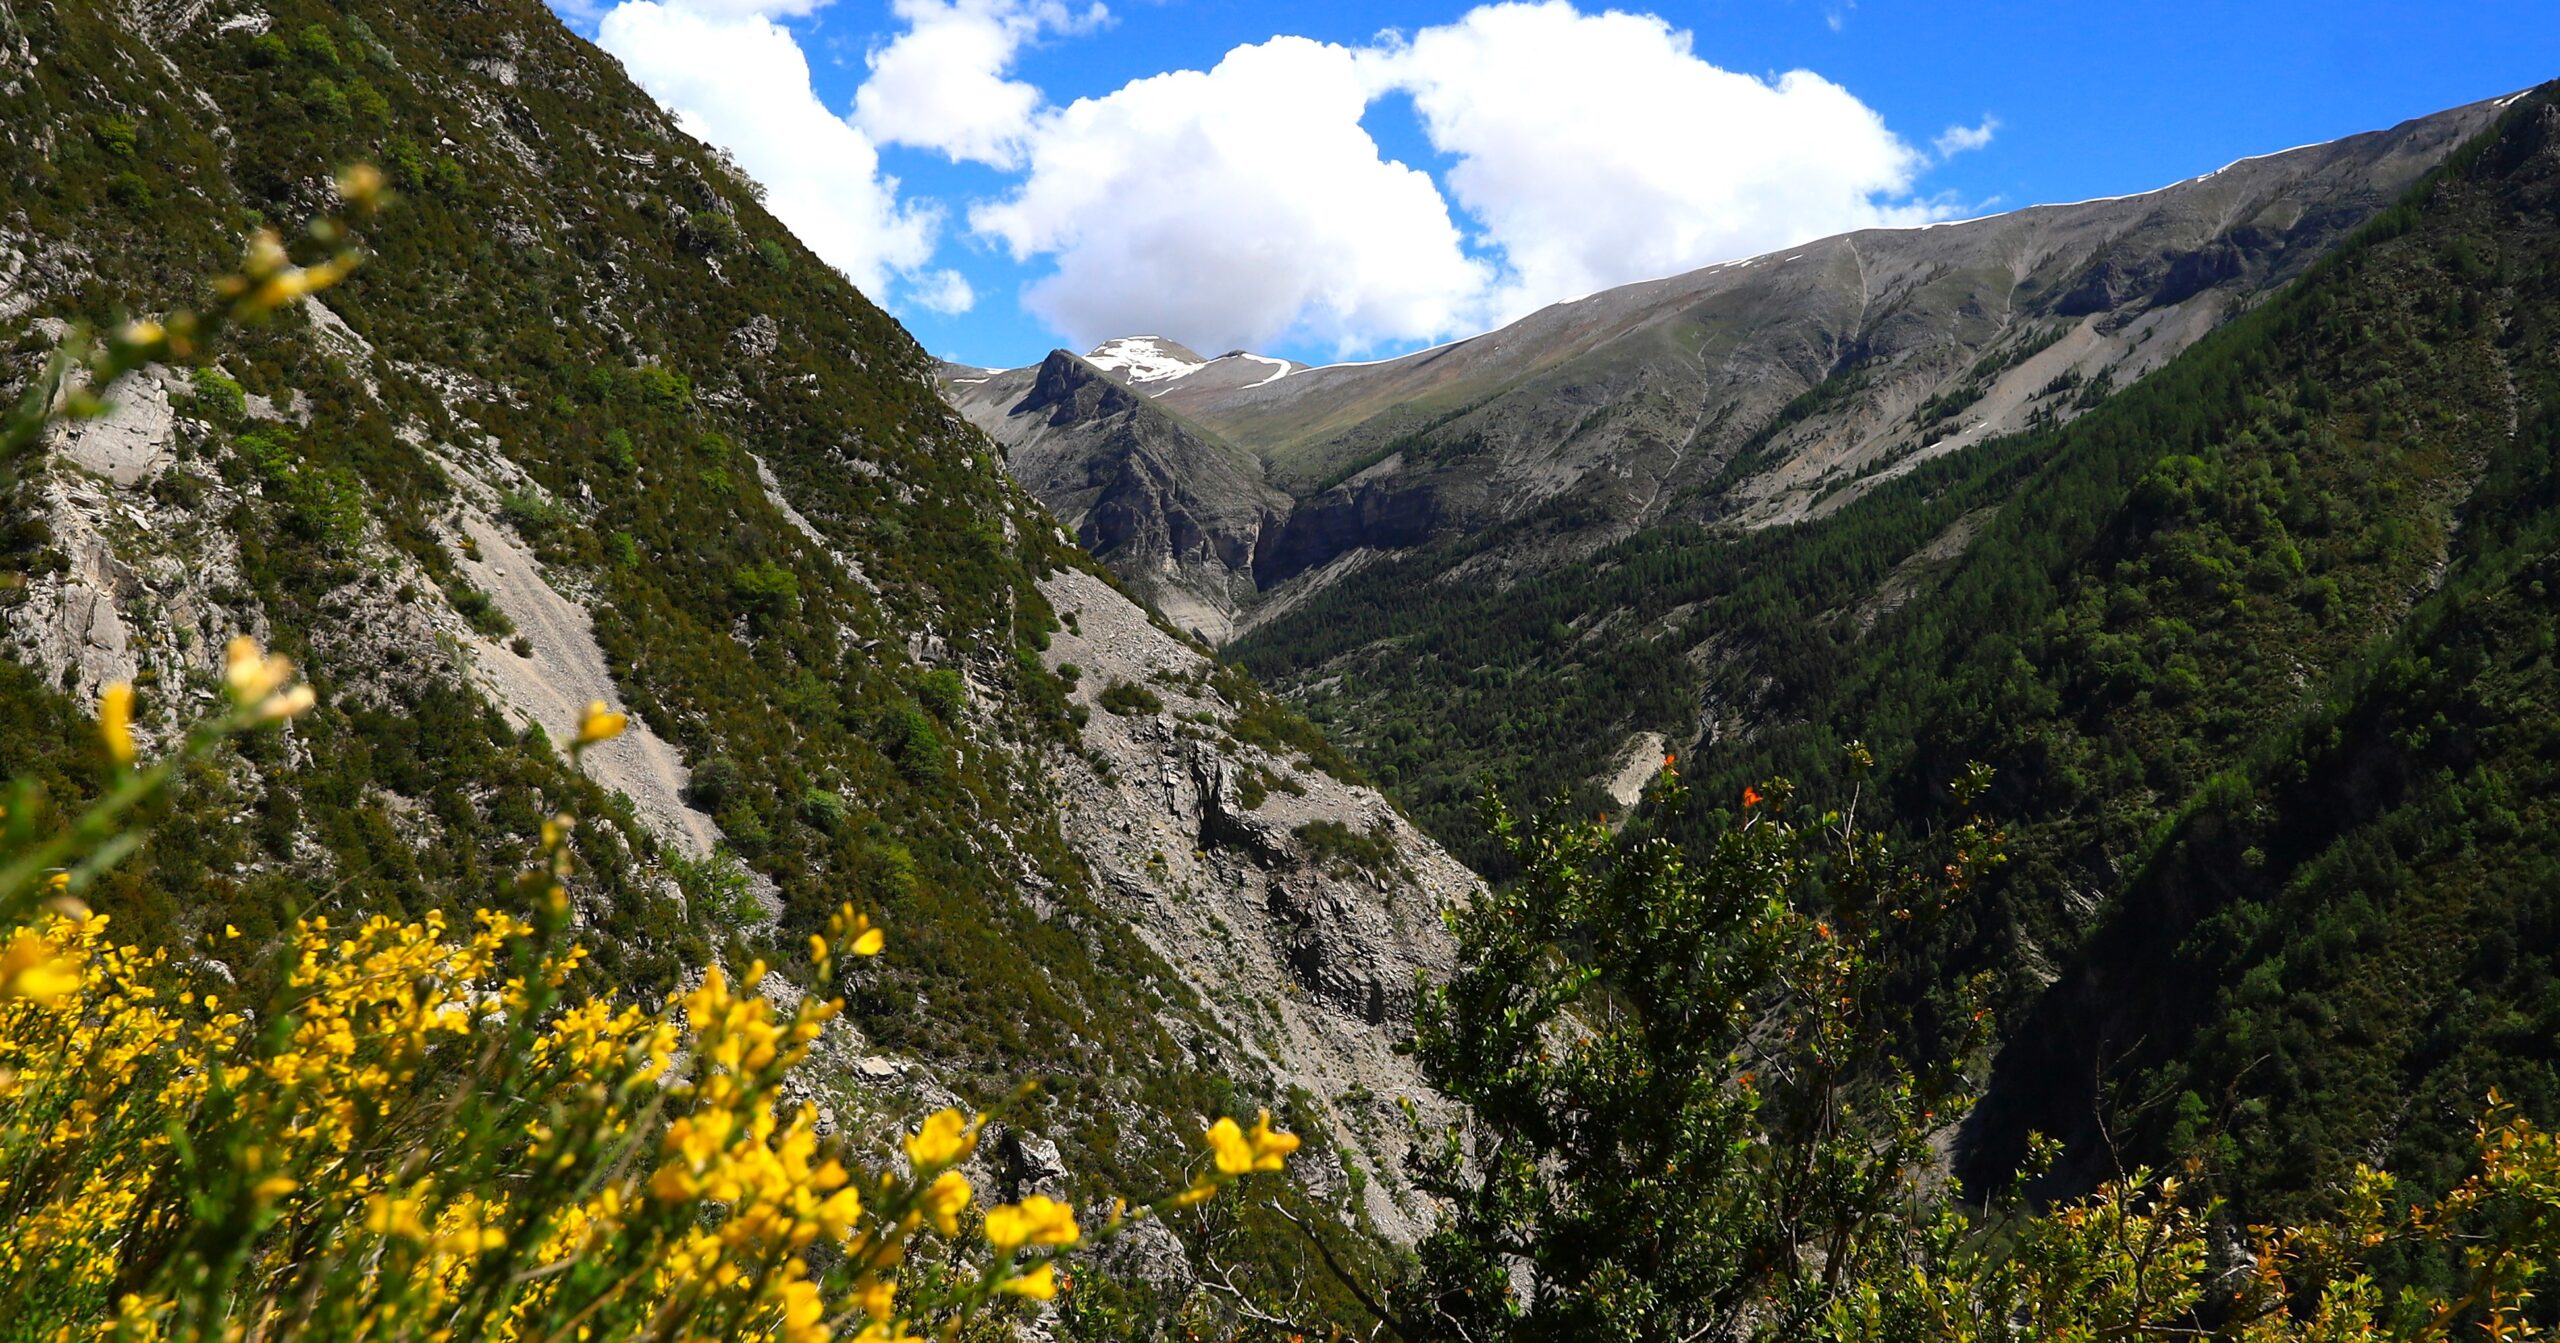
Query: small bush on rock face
823, 810
765, 588
910, 740
1129, 699
323, 100
708, 233
116, 136
530, 513
315, 45
943, 692
217, 397
481, 610
715, 782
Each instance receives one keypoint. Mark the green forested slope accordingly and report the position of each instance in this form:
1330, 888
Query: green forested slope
2281, 591
2256, 648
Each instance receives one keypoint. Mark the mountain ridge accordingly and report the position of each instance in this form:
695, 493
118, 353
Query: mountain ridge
1686, 396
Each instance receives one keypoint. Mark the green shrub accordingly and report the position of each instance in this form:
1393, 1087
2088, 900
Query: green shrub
116, 136
530, 513
765, 589
944, 692
716, 782
217, 397
1338, 846
269, 451
1129, 700
315, 45
367, 102
823, 811
323, 100
716, 887
708, 233
406, 163
480, 610
909, 739
650, 386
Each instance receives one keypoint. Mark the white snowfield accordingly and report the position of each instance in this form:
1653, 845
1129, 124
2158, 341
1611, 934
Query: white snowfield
1142, 359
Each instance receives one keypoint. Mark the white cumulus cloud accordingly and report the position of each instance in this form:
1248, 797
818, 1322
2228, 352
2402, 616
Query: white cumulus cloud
941, 84
1239, 206
1958, 139
944, 291
1249, 204
737, 79
1599, 149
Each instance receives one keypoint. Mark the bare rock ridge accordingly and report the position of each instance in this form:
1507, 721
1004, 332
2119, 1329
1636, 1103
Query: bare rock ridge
1751, 393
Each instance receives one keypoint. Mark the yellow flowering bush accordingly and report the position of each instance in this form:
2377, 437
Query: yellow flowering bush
418, 1135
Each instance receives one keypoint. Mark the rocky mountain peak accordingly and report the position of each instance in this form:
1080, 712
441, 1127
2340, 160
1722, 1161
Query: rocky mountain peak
1070, 389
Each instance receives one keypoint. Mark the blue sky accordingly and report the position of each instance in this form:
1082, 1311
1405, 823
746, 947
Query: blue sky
1360, 179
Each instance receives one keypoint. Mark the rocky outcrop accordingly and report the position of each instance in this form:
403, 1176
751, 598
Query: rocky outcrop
551, 668
1307, 965
1382, 513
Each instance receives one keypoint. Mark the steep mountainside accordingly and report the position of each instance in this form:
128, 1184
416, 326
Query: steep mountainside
590, 424
1753, 392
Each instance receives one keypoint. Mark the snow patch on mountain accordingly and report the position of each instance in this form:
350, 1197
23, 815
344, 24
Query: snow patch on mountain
1145, 359
1280, 368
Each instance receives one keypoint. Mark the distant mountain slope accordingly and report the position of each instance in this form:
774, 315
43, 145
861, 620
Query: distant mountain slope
591, 424
2261, 649
1767, 390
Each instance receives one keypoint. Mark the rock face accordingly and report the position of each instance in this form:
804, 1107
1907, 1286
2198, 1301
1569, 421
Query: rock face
1306, 962
560, 670
1751, 393
132, 440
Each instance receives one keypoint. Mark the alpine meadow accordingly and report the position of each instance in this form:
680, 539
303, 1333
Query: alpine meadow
563, 778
